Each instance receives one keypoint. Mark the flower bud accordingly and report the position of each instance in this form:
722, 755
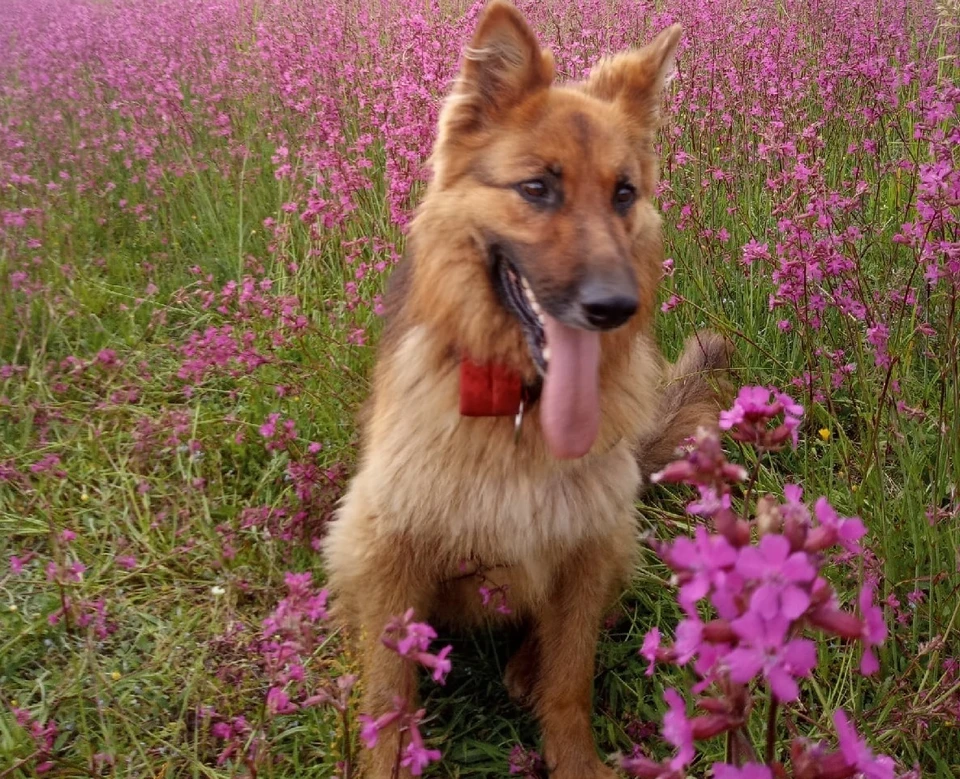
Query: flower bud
769, 520
796, 532
711, 725
820, 538
837, 622
719, 631
642, 767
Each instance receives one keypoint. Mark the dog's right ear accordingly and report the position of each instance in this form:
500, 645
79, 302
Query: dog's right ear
502, 65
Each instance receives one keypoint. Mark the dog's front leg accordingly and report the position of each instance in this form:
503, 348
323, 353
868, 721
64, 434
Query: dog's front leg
567, 631
388, 680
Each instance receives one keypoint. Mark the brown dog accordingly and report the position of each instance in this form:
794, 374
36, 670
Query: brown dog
519, 398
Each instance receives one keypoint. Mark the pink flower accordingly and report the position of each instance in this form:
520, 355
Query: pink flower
857, 753
701, 563
689, 640
677, 730
765, 650
438, 663
269, 428
751, 411
371, 727
874, 630
416, 756
780, 572
651, 643
411, 640
846, 530
405, 636
278, 702
748, 771
526, 763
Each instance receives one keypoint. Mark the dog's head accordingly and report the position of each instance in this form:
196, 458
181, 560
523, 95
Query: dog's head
542, 196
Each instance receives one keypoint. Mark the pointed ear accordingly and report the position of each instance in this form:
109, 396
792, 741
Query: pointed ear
502, 65
636, 78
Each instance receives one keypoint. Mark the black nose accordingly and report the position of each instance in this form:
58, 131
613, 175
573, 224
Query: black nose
607, 304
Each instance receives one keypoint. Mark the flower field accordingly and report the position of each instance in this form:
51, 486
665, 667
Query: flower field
200, 204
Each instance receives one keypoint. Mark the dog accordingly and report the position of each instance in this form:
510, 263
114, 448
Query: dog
519, 402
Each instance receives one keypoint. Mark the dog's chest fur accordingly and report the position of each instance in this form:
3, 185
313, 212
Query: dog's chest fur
467, 488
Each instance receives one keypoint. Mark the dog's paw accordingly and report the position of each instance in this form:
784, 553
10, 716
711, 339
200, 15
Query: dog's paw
520, 676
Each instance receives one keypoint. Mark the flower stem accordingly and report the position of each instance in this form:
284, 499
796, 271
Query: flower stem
771, 729
347, 747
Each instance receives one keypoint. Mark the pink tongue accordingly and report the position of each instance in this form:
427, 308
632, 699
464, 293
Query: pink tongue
570, 411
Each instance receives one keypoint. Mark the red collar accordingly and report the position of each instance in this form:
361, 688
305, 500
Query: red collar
492, 390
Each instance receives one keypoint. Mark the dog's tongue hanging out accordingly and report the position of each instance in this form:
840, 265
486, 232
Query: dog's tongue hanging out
570, 403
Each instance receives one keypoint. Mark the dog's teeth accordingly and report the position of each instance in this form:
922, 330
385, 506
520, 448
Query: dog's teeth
546, 353
531, 299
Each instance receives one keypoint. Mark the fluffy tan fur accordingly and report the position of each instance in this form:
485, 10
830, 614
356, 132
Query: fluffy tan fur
435, 489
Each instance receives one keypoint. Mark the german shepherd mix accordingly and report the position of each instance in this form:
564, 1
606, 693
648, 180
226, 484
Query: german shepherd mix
519, 398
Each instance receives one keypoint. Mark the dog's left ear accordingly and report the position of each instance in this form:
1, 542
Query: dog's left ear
635, 79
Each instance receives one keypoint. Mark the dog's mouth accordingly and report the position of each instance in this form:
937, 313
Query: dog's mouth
519, 300
567, 358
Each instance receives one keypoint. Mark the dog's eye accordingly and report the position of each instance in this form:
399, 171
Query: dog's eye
623, 197
535, 190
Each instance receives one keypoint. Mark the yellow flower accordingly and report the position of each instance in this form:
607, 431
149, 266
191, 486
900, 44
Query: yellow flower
824, 433
84, 497
12, 607
115, 676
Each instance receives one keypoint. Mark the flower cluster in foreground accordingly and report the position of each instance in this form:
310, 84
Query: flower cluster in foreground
751, 590
411, 641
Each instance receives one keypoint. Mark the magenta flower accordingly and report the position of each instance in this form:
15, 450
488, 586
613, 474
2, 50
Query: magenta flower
751, 402
701, 563
526, 763
753, 409
846, 531
689, 640
416, 756
411, 640
651, 643
874, 630
677, 730
405, 636
780, 573
370, 727
764, 649
278, 702
438, 663
748, 771
857, 753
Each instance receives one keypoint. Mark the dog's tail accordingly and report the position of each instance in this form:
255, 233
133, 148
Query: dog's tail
695, 389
